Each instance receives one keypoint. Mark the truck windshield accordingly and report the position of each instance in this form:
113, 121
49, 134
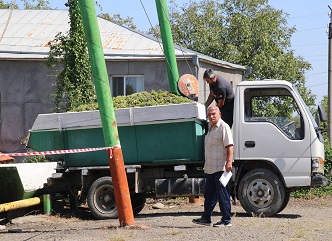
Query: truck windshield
312, 119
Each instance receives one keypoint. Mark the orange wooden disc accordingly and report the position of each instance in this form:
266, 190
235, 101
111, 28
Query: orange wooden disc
188, 86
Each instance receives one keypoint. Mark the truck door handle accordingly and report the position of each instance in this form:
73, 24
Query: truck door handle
250, 144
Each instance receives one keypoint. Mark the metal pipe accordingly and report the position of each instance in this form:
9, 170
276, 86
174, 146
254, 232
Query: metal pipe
47, 204
329, 75
107, 114
19, 204
166, 36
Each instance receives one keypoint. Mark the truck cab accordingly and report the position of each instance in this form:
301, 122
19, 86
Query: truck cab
278, 145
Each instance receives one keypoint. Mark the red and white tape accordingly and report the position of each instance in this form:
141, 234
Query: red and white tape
43, 153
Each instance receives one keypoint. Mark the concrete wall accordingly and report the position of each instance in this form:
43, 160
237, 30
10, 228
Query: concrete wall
25, 91
26, 88
155, 75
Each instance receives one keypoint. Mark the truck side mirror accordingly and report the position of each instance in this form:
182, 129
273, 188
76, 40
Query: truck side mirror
321, 113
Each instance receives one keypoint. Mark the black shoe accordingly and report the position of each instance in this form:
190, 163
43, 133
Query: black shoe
202, 221
222, 224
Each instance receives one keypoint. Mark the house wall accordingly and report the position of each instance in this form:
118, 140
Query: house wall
26, 87
25, 91
155, 75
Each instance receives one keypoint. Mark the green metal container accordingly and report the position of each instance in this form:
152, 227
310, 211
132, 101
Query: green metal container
158, 134
20, 181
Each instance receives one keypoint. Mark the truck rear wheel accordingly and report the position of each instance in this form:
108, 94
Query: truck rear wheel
138, 203
261, 193
101, 199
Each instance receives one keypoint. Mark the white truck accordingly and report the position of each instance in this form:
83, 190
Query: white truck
278, 149
278, 145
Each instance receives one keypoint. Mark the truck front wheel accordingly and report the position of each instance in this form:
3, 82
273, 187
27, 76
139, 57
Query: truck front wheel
261, 193
101, 199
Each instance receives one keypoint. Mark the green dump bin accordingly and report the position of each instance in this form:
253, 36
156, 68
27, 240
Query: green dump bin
155, 134
19, 181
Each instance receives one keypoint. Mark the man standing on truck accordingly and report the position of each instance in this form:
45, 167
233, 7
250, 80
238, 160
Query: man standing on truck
222, 92
219, 147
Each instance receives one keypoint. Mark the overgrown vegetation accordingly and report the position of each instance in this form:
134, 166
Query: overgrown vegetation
74, 85
37, 158
140, 99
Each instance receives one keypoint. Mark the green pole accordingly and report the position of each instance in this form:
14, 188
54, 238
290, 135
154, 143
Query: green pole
166, 37
47, 204
107, 114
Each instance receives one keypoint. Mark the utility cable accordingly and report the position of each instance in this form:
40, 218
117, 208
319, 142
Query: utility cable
155, 35
9, 17
179, 44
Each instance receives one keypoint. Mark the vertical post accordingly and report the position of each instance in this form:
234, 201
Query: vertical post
329, 97
168, 45
107, 114
47, 204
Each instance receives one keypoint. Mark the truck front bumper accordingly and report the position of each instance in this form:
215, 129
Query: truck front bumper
319, 181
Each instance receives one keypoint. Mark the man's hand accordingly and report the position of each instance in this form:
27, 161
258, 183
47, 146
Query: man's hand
229, 158
209, 100
221, 103
228, 166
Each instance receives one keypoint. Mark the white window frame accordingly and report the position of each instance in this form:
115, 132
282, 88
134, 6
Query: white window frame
125, 77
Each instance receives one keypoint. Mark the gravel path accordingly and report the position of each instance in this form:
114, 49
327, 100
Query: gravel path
300, 220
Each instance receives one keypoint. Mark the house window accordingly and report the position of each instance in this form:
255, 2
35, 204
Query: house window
127, 85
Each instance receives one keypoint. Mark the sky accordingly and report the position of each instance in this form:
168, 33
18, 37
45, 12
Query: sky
310, 17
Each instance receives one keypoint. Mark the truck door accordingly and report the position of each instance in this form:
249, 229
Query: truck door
272, 129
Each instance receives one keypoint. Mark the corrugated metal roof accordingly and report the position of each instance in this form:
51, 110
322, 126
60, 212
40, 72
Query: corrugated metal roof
32, 30
29, 32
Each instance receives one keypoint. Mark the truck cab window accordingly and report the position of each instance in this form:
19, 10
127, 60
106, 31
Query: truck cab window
276, 106
127, 85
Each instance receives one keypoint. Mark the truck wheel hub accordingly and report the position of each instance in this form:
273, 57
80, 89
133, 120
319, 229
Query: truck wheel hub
260, 193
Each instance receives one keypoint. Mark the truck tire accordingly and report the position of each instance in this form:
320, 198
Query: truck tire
286, 200
101, 199
138, 203
261, 193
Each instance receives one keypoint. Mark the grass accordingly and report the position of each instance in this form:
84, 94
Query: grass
315, 192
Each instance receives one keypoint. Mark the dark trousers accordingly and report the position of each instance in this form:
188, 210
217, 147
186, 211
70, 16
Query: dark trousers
227, 112
213, 187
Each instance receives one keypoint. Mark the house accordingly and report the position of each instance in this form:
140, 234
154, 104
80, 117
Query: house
131, 57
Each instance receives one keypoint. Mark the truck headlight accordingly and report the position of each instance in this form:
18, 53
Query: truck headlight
317, 165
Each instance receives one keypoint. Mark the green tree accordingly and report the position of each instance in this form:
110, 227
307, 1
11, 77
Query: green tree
116, 18
36, 4
4, 5
74, 85
249, 33
28, 4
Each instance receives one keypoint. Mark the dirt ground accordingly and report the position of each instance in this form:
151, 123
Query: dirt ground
300, 220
